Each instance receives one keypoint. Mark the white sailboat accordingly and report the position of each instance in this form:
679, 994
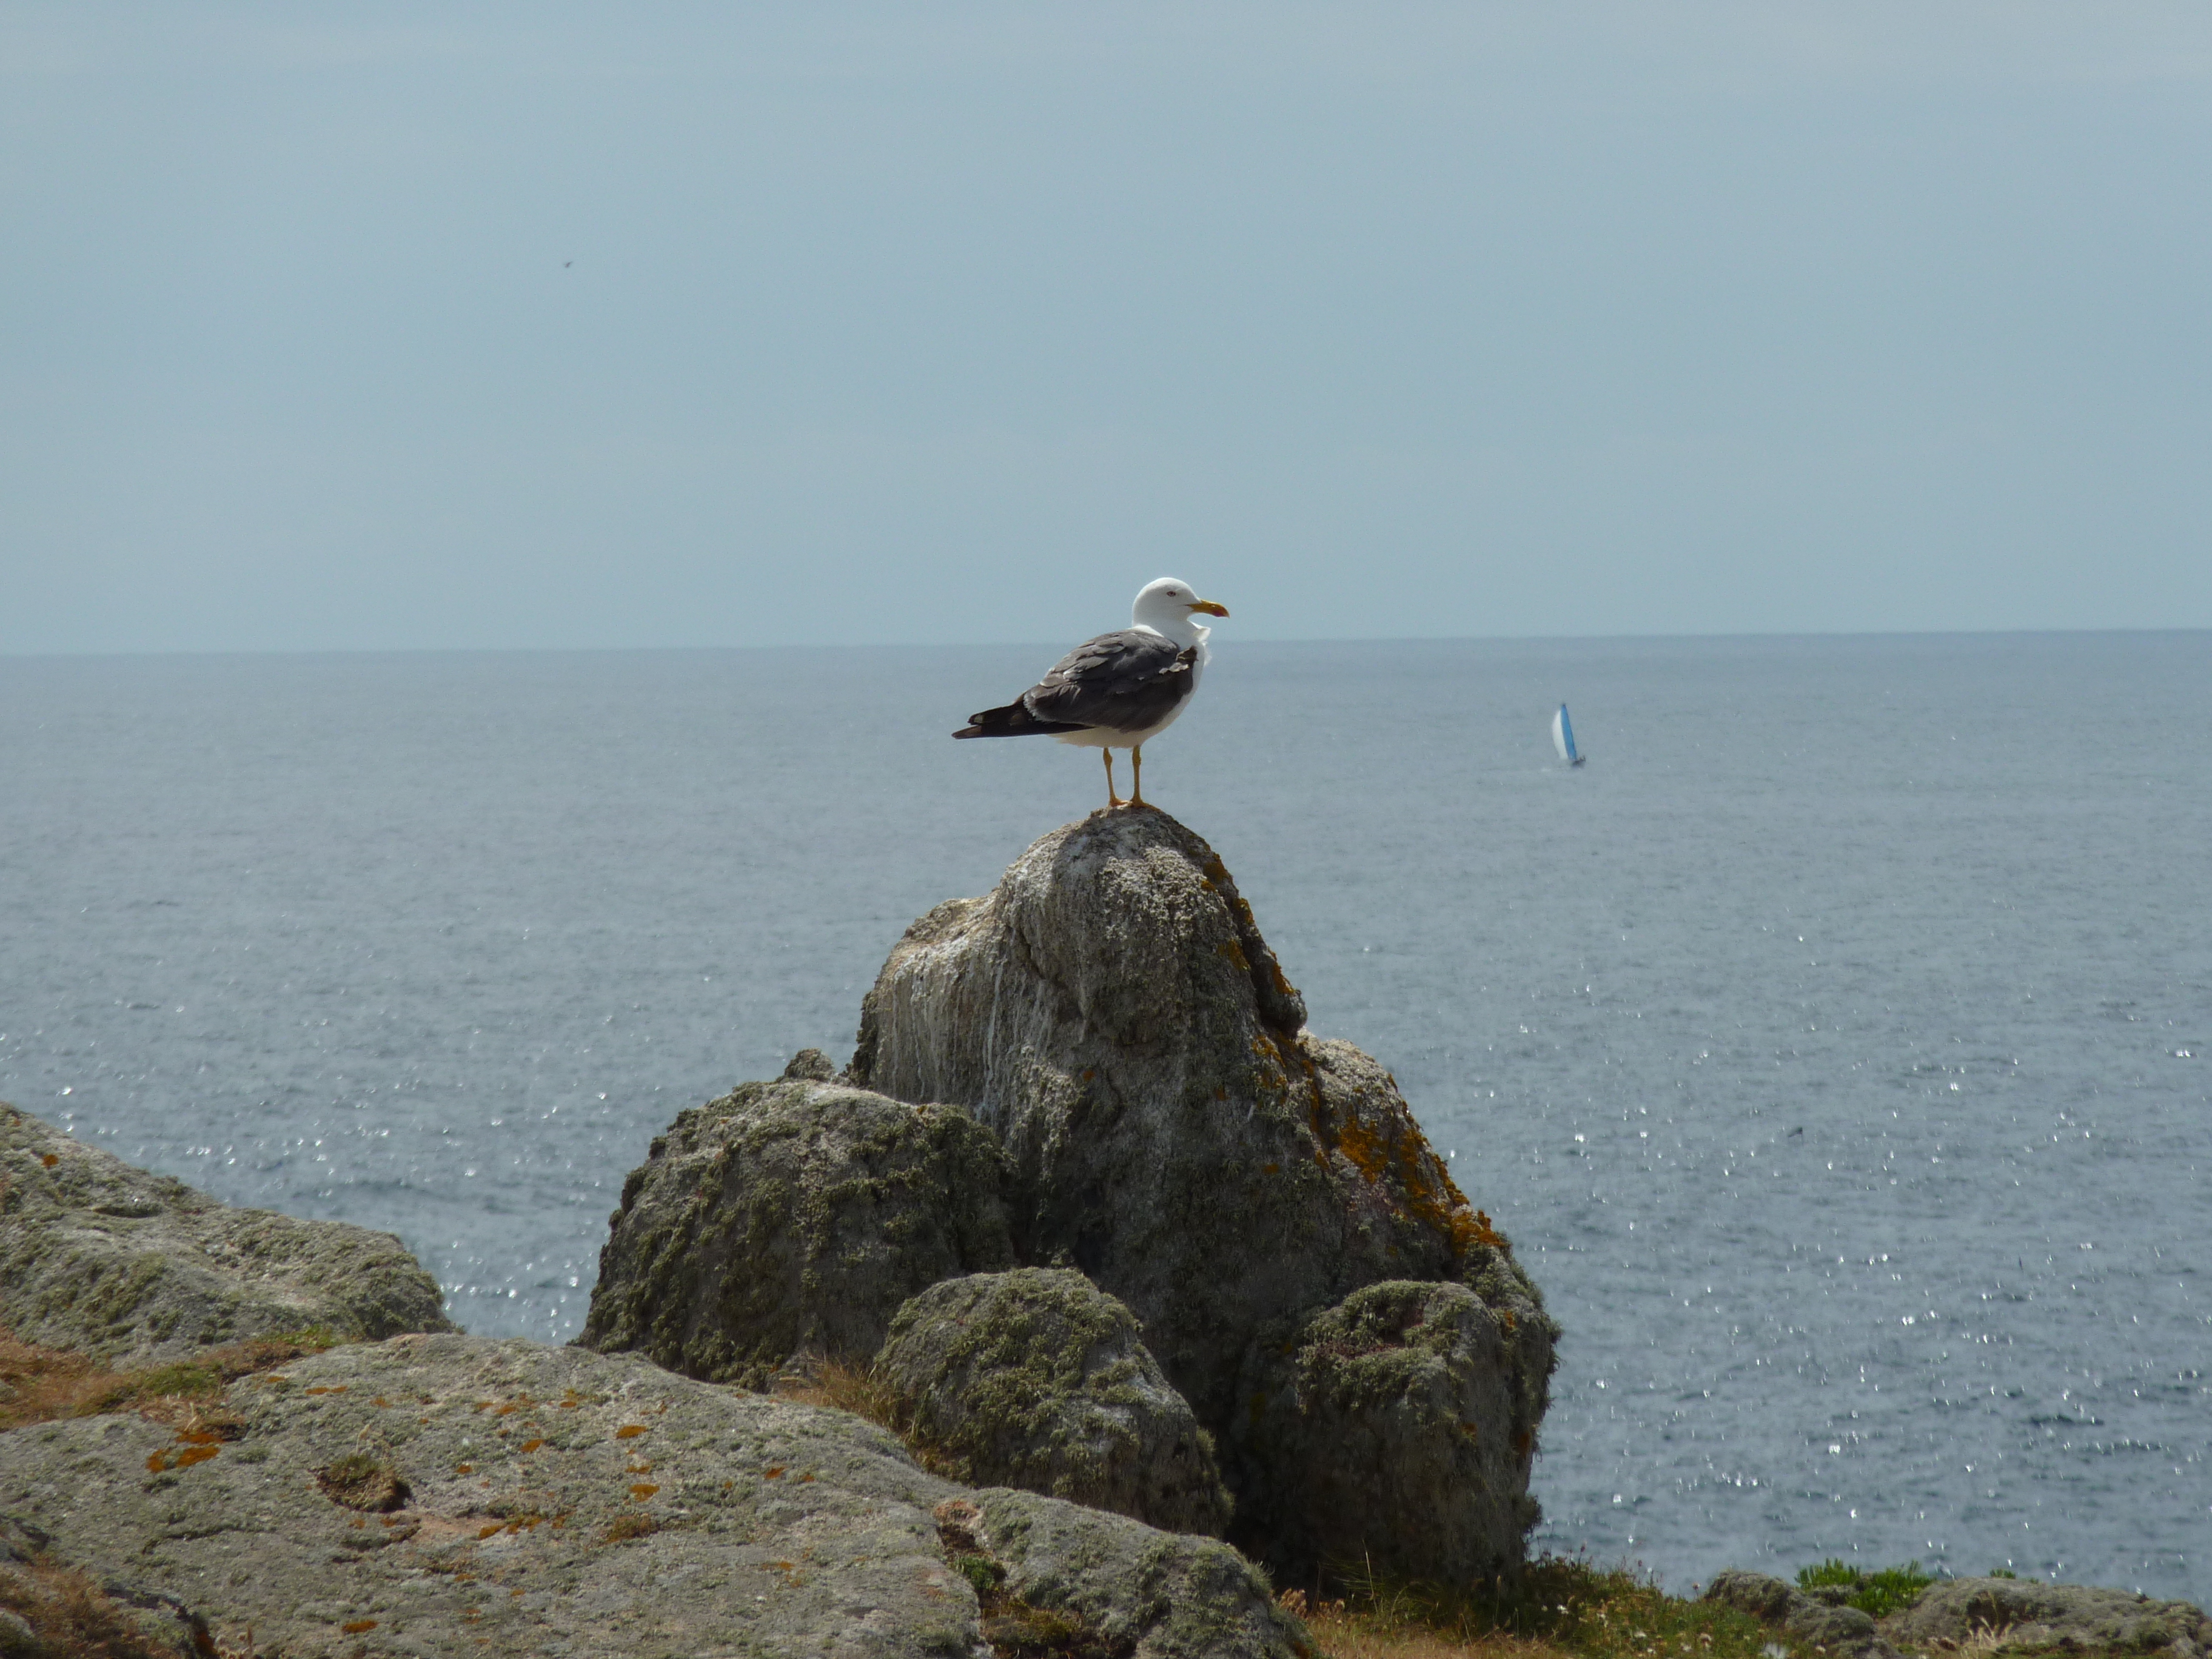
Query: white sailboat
1563, 737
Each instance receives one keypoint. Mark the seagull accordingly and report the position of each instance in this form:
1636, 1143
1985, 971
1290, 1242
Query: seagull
1118, 690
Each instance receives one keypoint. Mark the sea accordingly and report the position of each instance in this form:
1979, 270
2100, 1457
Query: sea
1835, 1046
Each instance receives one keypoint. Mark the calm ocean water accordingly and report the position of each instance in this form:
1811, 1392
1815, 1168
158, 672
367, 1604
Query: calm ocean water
1835, 1046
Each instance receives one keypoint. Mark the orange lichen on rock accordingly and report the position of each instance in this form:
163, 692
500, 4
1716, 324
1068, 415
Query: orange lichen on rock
179, 1457
1428, 1192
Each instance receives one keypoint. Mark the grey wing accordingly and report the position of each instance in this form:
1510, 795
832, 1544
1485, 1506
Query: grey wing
1129, 681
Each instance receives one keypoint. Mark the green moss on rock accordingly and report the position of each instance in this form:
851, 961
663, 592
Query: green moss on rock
1389, 1428
793, 1217
120, 1263
1038, 1379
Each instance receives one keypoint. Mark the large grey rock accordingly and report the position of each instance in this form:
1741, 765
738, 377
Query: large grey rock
1113, 1013
2025, 1613
122, 1264
1845, 1631
1040, 1379
791, 1216
1369, 1430
1142, 1593
566, 1503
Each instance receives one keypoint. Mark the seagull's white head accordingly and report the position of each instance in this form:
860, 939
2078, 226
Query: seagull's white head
1169, 606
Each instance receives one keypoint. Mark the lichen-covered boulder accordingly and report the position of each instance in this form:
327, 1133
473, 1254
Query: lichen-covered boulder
2027, 1615
1038, 1379
1387, 1429
560, 1502
1113, 1013
793, 1217
123, 1264
1123, 1590
1845, 1631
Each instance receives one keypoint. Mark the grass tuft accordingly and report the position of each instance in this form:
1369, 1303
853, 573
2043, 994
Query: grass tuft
363, 1482
844, 1386
861, 1390
1891, 1589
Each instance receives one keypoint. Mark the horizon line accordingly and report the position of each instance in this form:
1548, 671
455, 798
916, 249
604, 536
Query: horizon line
974, 645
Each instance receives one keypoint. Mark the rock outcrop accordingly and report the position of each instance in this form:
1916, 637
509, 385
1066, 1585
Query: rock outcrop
1038, 1379
553, 1501
2026, 1614
123, 1264
1978, 1615
793, 1217
1372, 1426
1844, 1631
1112, 1013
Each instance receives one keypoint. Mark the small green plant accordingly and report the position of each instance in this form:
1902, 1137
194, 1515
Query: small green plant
982, 1571
183, 1377
2002, 1572
1891, 1589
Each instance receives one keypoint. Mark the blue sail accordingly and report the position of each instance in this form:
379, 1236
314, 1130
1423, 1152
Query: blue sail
1562, 737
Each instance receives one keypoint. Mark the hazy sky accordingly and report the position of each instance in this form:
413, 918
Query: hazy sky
390, 325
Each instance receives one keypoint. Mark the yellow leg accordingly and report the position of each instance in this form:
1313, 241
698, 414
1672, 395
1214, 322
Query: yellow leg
1137, 763
1112, 799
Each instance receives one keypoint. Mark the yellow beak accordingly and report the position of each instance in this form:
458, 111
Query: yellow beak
1209, 607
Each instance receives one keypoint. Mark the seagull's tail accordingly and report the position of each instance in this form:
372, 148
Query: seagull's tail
1014, 721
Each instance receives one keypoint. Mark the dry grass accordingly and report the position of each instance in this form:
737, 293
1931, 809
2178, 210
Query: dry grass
42, 1384
1557, 1609
843, 1385
846, 1386
73, 1619
1342, 1634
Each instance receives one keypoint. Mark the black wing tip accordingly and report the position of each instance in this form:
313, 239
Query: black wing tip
1008, 722
1014, 721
